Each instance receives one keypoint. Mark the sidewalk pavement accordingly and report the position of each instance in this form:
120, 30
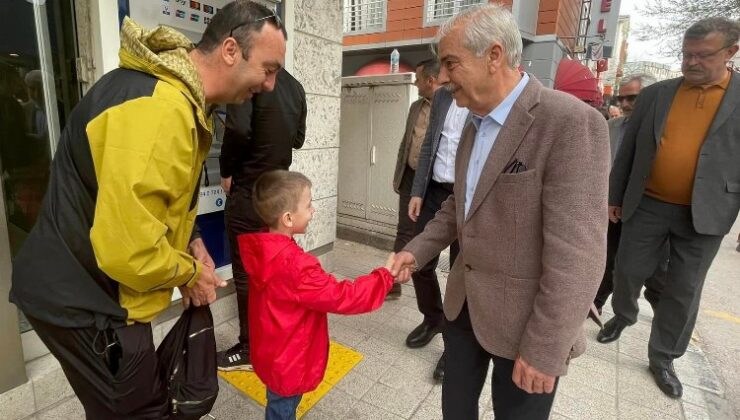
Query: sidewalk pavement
394, 382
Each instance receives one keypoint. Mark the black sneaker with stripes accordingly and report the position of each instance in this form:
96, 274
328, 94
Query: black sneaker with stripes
235, 358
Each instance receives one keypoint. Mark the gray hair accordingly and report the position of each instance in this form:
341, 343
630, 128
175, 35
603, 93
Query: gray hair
485, 25
644, 79
727, 27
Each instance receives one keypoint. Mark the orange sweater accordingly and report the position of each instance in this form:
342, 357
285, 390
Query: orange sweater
691, 114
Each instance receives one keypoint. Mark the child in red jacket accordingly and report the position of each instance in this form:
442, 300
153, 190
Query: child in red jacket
290, 294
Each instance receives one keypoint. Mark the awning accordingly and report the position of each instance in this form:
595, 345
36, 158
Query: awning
575, 78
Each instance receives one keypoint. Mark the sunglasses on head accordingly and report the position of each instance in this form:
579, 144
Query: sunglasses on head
630, 98
273, 17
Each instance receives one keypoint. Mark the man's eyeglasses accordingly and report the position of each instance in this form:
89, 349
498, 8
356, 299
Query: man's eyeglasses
687, 56
275, 19
629, 98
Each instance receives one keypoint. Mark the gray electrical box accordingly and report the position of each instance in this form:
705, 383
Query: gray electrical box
374, 112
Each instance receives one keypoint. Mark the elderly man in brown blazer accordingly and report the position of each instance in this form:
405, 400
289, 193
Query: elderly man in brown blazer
408, 153
528, 211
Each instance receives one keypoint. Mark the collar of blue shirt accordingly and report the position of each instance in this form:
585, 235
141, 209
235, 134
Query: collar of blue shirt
501, 112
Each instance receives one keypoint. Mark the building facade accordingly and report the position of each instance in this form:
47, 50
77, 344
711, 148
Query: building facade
373, 28
51, 52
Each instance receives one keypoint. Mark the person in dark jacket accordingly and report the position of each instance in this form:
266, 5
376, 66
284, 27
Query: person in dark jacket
260, 135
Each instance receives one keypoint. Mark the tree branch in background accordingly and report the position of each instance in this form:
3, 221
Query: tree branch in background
671, 18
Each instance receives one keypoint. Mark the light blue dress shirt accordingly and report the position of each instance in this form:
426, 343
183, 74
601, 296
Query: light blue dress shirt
488, 128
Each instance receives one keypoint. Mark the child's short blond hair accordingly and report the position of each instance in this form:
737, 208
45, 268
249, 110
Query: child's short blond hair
277, 192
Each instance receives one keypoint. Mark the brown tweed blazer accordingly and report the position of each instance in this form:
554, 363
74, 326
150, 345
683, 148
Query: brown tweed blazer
533, 246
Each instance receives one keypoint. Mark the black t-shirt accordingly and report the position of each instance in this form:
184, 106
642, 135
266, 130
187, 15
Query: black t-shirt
261, 133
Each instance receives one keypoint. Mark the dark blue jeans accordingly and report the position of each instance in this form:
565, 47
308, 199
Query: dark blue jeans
281, 408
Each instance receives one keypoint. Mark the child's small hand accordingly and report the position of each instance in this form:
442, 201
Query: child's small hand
389, 261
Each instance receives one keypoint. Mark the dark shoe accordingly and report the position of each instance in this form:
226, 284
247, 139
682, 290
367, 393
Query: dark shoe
667, 381
235, 358
423, 334
395, 292
611, 331
439, 370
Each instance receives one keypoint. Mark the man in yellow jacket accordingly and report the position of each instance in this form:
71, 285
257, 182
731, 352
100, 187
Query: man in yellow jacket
114, 236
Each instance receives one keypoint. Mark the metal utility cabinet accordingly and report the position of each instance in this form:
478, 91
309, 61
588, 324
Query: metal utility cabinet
374, 112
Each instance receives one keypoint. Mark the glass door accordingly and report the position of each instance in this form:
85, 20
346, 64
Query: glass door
38, 89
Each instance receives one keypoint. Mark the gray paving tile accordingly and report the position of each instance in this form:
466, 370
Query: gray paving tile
432, 351
630, 411
372, 367
400, 402
336, 404
487, 414
415, 366
606, 352
694, 396
584, 394
600, 381
633, 347
392, 335
50, 386
435, 397
428, 412
70, 409
581, 408
694, 369
366, 411
398, 379
595, 364
360, 323
411, 313
226, 335
347, 336
225, 393
239, 407
355, 384
640, 331
380, 349
558, 416
18, 402
693, 412
314, 413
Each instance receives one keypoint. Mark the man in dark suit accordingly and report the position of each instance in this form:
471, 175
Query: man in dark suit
528, 210
676, 178
259, 136
433, 183
629, 88
408, 153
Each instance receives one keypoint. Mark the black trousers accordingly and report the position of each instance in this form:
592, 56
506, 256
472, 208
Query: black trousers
653, 285
426, 284
114, 373
644, 236
465, 374
405, 229
240, 217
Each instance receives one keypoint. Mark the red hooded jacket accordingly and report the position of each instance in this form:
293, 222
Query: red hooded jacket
289, 297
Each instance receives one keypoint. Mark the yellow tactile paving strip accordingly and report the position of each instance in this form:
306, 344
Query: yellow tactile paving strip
341, 360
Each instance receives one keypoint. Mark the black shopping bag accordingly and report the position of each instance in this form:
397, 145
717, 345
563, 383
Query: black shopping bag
188, 364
